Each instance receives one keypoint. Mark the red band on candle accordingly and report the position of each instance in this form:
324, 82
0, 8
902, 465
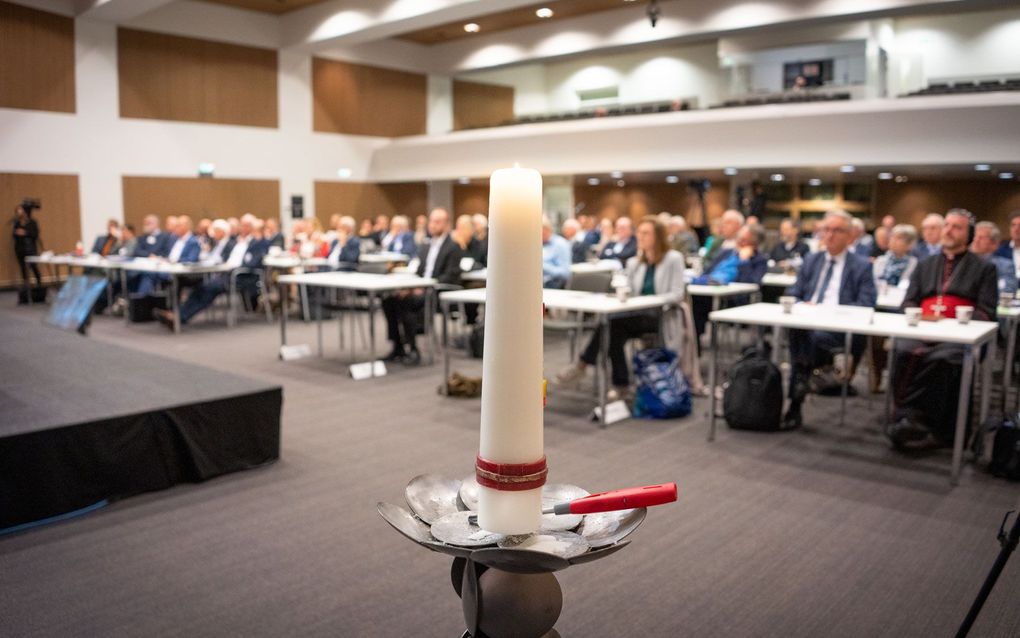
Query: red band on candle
511, 477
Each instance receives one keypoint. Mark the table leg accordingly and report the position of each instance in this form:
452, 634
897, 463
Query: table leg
109, 288
986, 379
603, 375
445, 309
371, 330
890, 387
175, 303
846, 378
713, 363
961, 414
1007, 372
283, 321
231, 301
127, 296
318, 316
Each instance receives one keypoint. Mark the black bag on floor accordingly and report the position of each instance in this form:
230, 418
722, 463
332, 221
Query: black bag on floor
1006, 452
928, 383
754, 398
141, 307
35, 295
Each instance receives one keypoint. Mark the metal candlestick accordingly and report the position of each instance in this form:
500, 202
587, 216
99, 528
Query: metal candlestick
506, 583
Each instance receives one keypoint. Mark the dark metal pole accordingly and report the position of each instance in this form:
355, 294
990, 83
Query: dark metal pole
1008, 545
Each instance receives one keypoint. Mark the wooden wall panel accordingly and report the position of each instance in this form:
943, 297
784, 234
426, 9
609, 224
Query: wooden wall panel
470, 199
477, 105
989, 200
167, 77
36, 59
59, 218
637, 199
362, 200
364, 100
198, 197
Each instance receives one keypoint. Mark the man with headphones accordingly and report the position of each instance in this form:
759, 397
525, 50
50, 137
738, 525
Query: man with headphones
926, 382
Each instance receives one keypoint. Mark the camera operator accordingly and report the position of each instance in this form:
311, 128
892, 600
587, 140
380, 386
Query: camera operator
26, 241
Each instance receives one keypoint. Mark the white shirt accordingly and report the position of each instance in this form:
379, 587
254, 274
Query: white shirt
1016, 257
236, 258
334, 255
430, 260
178, 248
831, 295
215, 255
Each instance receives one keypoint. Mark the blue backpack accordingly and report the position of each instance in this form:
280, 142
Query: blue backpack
662, 389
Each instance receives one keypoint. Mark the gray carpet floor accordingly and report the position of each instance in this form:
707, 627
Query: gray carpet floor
819, 532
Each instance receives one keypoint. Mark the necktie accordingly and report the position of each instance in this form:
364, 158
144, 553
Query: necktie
820, 293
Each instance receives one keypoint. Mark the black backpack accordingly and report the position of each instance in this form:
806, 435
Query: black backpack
754, 398
1006, 452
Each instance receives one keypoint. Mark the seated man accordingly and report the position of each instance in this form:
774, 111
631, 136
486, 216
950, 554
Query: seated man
926, 377
556, 257
986, 241
790, 248
439, 258
743, 264
151, 242
184, 250
242, 251
345, 251
833, 277
578, 249
108, 244
400, 239
622, 246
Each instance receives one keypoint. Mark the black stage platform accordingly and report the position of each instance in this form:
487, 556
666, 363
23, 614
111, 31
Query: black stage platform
83, 423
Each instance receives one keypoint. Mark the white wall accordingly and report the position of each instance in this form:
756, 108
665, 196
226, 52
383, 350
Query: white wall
965, 45
661, 73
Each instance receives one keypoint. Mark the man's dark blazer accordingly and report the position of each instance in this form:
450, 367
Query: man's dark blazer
350, 254
753, 270
151, 244
191, 252
447, 268
578, 251
1004, 250
857, 288
628, 250
97, 247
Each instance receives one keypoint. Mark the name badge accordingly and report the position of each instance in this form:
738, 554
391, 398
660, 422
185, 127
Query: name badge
150, 239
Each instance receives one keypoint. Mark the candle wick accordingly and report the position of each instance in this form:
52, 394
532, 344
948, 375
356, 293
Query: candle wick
517, 164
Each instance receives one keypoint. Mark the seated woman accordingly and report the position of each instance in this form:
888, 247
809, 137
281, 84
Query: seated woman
891, 270
655, 270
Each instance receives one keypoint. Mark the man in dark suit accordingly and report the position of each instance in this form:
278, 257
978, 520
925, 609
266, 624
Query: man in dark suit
578, 249
185, 249
439, 258
241, 251
1010, 248
168, 237
152, 240
109, 243
624, 244
400, 239
273, 236
931, 237
345, 251
790, 246
834, 277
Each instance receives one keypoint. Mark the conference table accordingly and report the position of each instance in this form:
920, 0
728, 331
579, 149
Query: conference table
603, 306
108, 265
584, 268
853, 320
174, 272
372, 286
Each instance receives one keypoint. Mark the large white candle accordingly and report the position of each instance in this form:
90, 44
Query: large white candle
511, 429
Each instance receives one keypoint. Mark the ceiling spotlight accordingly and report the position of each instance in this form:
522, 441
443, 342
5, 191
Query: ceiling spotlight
472, 27
814, 181
205, 169
464, 180
616, 174
777, 177
593, 181
344, 173
621, 183
544, 12
653, 12
672, 179
729, 170
982, 167
885, 176
1006, 175
900, 179
847, 168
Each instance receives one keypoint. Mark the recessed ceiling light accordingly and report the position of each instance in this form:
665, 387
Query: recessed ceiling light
847, 168
729, 170
616, 174
777, 177
544, 12
672, 179
206, 168
621, 183
1006, 175
344, 173
472, 27
593, 181
900, 179
885, 176
814, 181
464, 180
982, 167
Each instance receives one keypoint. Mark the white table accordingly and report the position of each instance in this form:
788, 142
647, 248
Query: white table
603, 265
603, 306
972, 335
719, 292
778, 280
371, 284
109, 266
384, 257
174, 271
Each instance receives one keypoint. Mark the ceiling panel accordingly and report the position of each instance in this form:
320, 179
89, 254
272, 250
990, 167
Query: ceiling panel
268, 6
512, 19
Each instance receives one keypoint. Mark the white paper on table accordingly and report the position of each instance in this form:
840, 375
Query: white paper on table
892, 297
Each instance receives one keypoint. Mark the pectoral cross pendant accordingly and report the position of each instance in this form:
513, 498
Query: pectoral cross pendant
939, 307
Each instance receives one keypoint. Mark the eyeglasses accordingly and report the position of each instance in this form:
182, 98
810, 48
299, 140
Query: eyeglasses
825, 230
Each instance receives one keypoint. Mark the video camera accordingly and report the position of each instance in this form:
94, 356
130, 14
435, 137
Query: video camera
30, 205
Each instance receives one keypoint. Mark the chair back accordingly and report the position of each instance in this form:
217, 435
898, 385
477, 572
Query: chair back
591, 281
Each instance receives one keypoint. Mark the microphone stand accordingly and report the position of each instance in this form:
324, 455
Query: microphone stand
1008, 543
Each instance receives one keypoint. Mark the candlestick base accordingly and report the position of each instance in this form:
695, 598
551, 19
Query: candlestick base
506, 583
